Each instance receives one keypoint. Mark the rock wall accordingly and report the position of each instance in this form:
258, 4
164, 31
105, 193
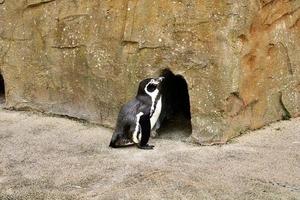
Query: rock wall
84, 58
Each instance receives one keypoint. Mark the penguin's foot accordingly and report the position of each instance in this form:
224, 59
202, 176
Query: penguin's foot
146, 147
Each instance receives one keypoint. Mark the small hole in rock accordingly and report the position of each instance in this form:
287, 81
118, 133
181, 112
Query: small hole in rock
2, 90
175, 117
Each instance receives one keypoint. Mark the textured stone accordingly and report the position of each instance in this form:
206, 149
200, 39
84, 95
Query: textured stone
84, 58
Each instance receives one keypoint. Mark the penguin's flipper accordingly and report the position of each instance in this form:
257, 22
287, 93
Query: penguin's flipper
145, 131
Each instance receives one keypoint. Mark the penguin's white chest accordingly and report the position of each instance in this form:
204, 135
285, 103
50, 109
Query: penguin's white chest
156, 113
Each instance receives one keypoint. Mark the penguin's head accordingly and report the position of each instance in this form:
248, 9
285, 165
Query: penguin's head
150, 87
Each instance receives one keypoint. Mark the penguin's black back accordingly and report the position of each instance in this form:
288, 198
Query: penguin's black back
126, 122
127, 118
128, 112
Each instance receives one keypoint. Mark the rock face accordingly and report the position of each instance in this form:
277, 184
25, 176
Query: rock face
84, 58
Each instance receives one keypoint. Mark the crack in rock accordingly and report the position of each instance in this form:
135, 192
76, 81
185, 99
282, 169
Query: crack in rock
33, 5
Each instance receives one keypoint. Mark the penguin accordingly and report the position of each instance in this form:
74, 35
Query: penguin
139, 116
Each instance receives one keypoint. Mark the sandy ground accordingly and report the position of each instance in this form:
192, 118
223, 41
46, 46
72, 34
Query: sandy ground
44, 157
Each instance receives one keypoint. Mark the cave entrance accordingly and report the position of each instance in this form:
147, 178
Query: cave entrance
2, 90
176, 115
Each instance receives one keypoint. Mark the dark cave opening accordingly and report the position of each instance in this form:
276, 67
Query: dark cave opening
176, 115
2, 90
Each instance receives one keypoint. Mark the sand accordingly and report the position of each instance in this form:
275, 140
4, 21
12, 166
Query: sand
46, 157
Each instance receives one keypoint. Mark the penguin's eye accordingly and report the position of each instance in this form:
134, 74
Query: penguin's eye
151, 87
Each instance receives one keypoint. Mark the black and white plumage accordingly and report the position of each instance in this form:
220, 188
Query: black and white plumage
139, 116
